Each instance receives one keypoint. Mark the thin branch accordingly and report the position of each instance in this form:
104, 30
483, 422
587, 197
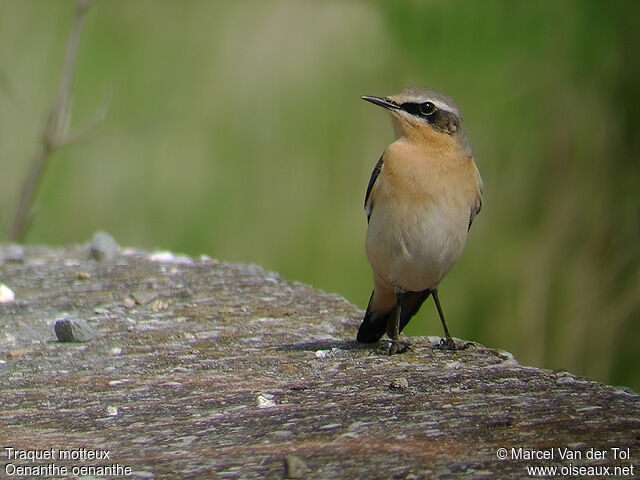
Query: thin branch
72, 135
56, 131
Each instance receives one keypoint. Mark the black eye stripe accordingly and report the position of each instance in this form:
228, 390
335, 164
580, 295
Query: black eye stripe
441, 120
423, 110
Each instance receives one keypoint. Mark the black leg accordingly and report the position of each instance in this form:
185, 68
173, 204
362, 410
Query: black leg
393, 330
447, 342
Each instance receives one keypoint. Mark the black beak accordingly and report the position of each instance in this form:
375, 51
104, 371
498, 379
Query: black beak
382, 101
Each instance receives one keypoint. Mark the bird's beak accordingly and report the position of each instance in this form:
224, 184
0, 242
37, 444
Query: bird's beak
382, 101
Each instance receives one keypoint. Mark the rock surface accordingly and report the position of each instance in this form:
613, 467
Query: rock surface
238, 368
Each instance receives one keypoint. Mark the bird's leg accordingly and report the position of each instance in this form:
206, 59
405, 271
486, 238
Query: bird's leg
447, 342
393, 331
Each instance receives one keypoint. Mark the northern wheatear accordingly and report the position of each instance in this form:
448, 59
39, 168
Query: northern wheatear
422, 197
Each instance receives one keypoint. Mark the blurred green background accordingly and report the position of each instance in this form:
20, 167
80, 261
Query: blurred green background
236, 129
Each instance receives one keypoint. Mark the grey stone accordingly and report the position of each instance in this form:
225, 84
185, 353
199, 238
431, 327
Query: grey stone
13, 253
103, 247
295, 467
73, 329
399, 383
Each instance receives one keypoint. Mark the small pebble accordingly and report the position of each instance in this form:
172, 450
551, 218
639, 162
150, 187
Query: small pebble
207, 259
399, 383
112, 411
565, 380
129, 302
295, 467
6, 294
162, 256
563, 377
103, 247
159, 305
73, 329
265, 400
13, 253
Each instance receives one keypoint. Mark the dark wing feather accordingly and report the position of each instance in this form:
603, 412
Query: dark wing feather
372, 181
474, 211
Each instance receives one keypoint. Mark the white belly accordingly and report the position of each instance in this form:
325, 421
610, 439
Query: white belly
414, 248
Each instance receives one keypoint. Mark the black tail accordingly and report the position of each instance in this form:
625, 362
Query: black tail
374, 324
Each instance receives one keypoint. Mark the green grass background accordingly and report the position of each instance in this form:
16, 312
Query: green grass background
236, 129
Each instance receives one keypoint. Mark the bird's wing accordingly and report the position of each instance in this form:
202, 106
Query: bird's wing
368, 205
474, 211
477, 206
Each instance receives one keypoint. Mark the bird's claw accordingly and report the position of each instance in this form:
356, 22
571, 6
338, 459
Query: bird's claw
448, 343
396, 346
393, 347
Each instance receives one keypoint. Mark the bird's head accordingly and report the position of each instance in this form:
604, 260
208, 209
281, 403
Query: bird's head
426, 115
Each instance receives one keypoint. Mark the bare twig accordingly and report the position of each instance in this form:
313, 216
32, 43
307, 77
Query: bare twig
72, 135
56, 133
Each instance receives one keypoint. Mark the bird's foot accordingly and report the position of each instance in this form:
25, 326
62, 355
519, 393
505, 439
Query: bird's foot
448, 343
397, 346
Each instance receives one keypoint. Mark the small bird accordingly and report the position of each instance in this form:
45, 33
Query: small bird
422, 197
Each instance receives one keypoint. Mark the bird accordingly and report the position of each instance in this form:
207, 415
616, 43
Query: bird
423, 195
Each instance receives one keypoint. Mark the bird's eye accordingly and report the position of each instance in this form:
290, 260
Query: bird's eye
427, 108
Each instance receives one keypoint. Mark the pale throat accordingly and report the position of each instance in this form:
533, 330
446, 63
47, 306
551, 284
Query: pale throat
427, 139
